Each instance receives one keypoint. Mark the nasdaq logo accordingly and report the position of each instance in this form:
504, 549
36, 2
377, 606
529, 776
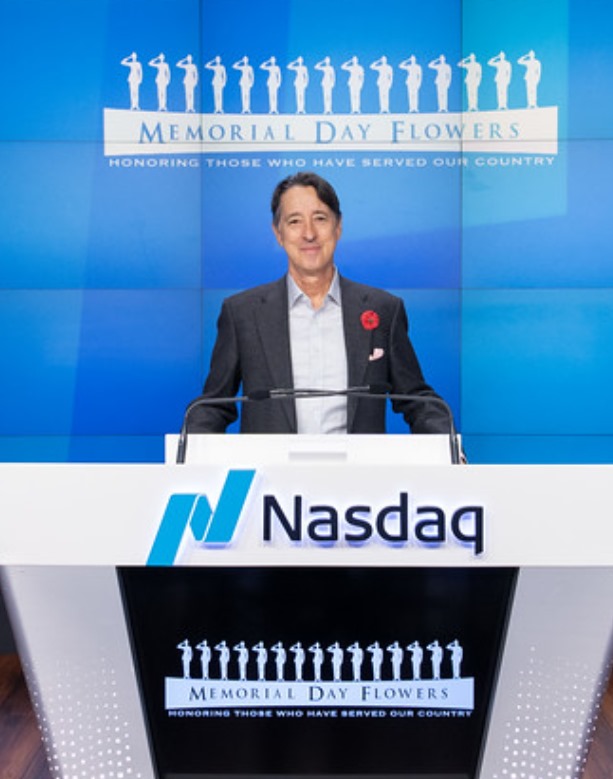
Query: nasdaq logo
208, 526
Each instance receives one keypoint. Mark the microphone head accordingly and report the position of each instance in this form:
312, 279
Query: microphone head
379, 389
259, 394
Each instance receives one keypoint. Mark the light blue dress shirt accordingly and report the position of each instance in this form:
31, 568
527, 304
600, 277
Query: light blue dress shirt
319, 358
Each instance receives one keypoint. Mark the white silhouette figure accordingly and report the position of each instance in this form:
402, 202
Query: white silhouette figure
190, 80
472, 80
301, 82
261, 659
246, 82
532, 77
417, 656
376, 660
457, 653
318, 659
384, 82
205, 658
397, 654
413, 81
162, 79
442, 81
281, 657
436, 658
243, 659
224, 659
355, 83
135, 79
337, 660
504, 71
328, 80
357, 658
273, 82
186, 657
219, 82
299, 657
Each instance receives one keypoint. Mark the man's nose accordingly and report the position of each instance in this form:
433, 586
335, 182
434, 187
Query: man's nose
309, 230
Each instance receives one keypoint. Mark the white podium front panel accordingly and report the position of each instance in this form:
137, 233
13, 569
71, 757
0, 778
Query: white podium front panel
305, 515
75, 651
117, 578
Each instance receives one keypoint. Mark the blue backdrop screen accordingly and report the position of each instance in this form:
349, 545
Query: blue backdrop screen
141, 142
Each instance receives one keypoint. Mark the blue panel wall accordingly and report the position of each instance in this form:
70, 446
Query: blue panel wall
113, 266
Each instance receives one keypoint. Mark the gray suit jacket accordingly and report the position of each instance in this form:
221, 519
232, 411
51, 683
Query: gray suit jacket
253, 350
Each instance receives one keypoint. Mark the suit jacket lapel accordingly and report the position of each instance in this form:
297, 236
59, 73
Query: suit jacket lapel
357, 339
272, 322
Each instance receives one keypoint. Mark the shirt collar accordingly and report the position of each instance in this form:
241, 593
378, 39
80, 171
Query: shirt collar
294, 293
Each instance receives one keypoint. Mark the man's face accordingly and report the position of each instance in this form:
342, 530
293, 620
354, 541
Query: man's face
308, 230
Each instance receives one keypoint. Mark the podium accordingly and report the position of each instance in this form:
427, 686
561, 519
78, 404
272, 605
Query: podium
310, 608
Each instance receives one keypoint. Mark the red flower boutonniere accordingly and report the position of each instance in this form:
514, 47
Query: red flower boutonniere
369, 320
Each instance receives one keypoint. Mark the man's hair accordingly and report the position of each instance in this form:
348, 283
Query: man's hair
325, 192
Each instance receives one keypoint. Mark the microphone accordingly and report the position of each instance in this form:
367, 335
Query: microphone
381, 391
454, 444
268, 394
298, 393
200, 401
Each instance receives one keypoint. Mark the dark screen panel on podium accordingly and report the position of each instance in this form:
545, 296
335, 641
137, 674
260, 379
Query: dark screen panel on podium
415, 703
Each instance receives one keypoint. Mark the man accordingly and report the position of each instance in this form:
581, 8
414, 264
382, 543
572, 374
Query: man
314, 329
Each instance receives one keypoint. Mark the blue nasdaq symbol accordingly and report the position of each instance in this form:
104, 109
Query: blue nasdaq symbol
208, 525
